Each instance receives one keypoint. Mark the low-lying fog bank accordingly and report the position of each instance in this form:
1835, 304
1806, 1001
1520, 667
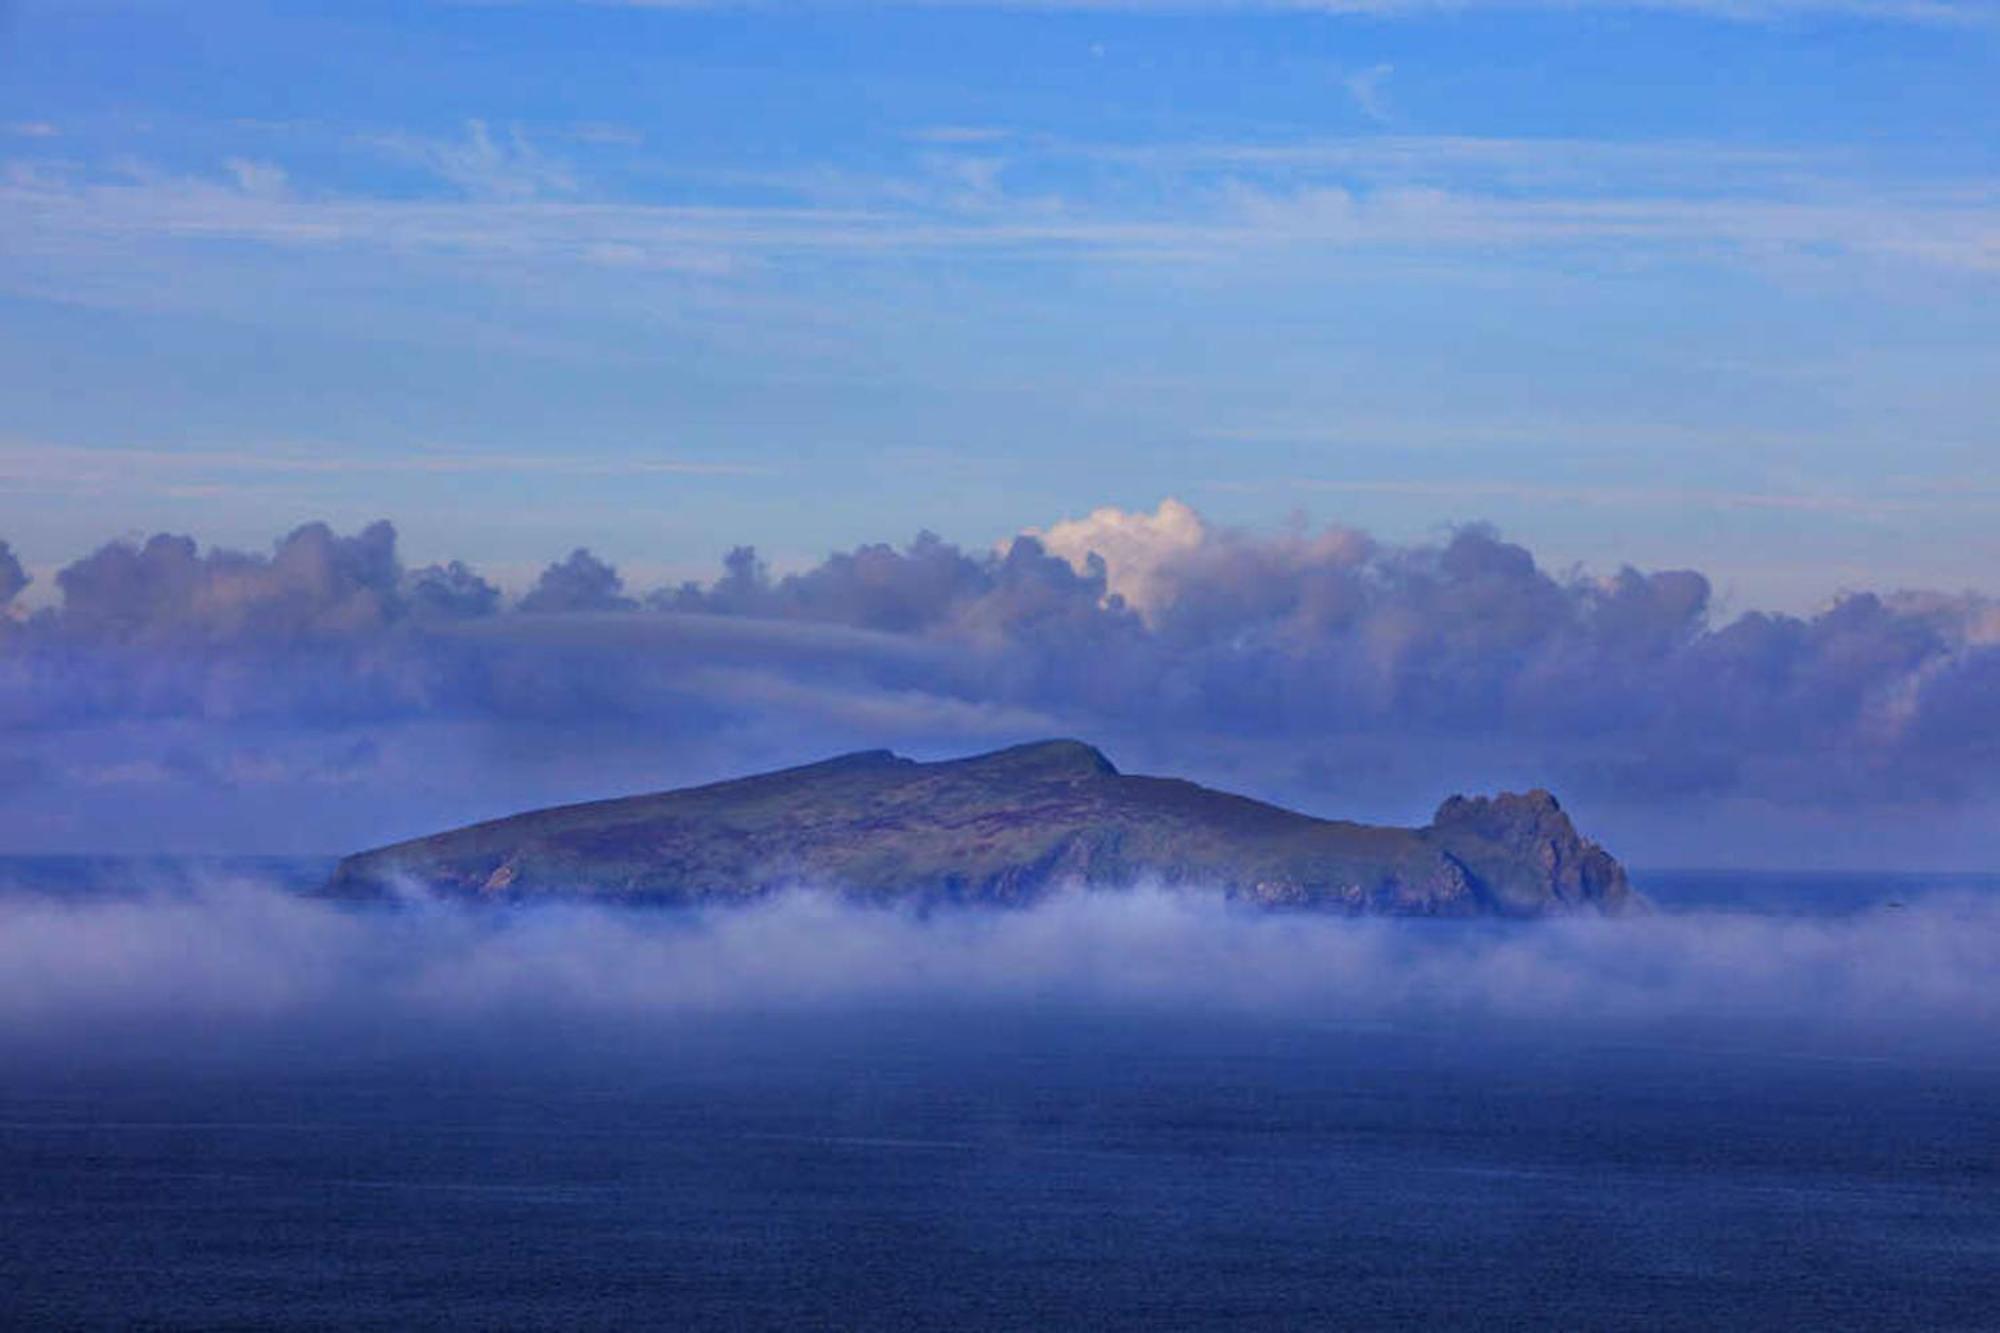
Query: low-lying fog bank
239, 965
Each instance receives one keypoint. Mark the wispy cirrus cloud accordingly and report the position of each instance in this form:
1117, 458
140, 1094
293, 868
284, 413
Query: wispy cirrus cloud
1742, 11
1369, 89
486, 165
960, 134
86, 468
1229, 201
1475, 490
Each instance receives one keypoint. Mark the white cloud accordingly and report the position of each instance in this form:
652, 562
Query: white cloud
1233, 203
204, 970
739, 244
1873, 505
606, 133
89, 469
1369, 89
259, 179
959, 134
484, 166
1744, 11
1137, 548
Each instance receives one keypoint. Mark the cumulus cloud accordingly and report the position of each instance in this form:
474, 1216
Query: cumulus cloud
1317, 662
581, 582
313, 584
1135, 548
451, 591
13, 578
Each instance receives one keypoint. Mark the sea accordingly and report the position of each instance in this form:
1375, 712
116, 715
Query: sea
1774, 1103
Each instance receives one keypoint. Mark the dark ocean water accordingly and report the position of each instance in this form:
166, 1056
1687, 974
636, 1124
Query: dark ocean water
1065, 1155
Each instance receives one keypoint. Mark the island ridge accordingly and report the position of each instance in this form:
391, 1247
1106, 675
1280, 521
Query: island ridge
1004, 829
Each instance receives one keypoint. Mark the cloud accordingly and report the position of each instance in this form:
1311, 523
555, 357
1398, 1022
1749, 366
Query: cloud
1135, 548
450, 591
219, 965
960, 135
484, 166
315, 584
1368, 88
94, 469
1293, 203
605, 132
1321, 662
265, 179
13, 578
1951, 12
580, 582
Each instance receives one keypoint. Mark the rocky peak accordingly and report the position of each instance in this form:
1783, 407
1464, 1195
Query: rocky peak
1508, 815
1524, 854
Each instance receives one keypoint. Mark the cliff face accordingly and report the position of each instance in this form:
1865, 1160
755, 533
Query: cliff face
1526, 855
1002, 829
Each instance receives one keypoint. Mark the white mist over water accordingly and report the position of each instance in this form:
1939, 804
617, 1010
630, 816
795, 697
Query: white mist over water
237, 960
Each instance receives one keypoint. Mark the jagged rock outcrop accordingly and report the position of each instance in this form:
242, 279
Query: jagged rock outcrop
1004, 829
1525, 854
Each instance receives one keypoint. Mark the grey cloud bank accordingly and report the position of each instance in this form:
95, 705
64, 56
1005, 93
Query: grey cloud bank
174, 694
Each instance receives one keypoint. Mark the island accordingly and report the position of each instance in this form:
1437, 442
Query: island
1003, 829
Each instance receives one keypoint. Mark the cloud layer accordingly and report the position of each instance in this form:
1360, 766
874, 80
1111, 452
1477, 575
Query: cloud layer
1324, 661
236, 964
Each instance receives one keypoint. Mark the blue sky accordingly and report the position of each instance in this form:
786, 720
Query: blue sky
1683, 283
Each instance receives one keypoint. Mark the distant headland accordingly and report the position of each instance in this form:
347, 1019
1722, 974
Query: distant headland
1004, 829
